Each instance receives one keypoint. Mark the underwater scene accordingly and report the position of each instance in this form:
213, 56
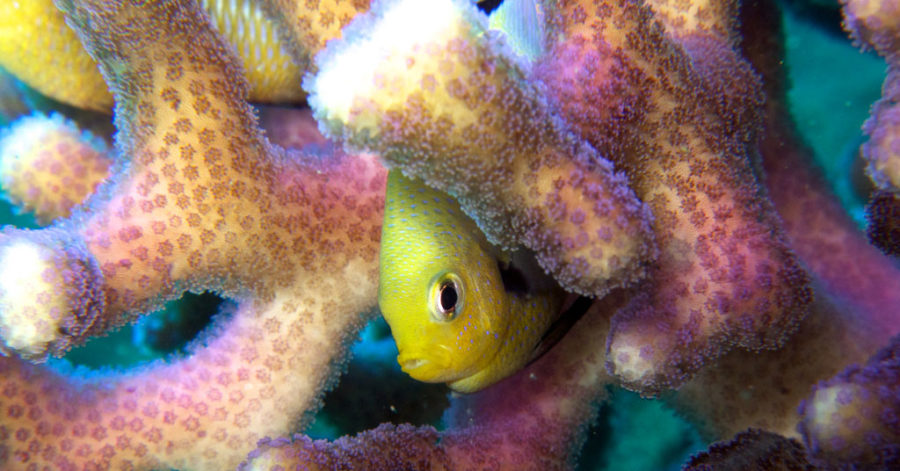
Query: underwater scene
592, 235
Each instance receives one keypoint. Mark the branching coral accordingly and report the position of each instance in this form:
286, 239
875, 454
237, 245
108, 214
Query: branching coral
47, 166
480, 130
684, 147
445, 103
875, 24
852, 418
205, 202
695, 229
532, 421
306, 26
753, 449
857, 287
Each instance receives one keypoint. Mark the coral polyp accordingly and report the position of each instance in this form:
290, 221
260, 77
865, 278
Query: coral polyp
641, 151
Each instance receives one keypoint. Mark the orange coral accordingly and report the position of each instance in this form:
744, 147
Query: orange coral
309, 24
457, 111
47, 166
207, 202
231, 213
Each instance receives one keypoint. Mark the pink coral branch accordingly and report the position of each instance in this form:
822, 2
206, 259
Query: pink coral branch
48, 165
256, 375
204, 202
856, 310
534, 420
725, 275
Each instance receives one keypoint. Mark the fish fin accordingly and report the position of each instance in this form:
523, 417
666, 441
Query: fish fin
523, 24
560, 326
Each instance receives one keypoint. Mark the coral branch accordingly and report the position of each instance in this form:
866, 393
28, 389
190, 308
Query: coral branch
852, 418
753, 449
857, 301
715, 18
449, 105
205, 203
48, 165
686, 101
876, 24
881, 151
307, 26
724, 275
534, 420
258, 374
883, 214
50, 292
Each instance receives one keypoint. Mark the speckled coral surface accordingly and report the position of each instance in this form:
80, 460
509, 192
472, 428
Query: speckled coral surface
303, 277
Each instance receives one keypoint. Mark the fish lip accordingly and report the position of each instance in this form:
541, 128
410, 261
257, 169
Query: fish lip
409, 363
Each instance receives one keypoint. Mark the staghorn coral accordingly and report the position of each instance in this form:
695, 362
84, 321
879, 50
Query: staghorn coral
47, 165
852, 418
306, 26
447, 104
857, 288
686, 155
163, 225
265, 363
531, 421
873, 24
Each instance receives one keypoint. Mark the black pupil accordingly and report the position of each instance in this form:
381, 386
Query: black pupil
448, 297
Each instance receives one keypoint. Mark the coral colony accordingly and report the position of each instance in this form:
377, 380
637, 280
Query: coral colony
641, 150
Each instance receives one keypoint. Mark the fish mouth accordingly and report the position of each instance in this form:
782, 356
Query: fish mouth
410, 364
428, 367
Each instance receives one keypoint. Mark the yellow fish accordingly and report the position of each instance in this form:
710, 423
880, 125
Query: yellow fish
39, 49
458, 310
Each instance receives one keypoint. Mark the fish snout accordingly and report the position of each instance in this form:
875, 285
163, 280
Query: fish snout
410, 363
430, 366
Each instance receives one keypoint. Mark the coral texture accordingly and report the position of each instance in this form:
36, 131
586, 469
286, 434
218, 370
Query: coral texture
205, 203
875, 24
852, 418
646, 155
531, 421
47, 166
753, 449
686, 156
883, 213
453, 108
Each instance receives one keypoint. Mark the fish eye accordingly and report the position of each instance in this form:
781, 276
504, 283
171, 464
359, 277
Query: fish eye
447, 297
